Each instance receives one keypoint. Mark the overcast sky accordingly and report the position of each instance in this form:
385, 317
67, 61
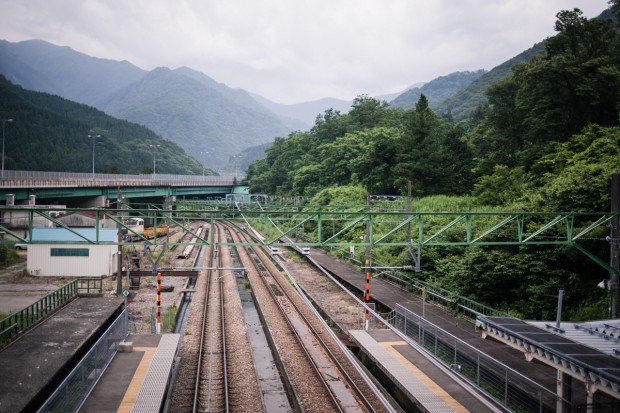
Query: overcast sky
292, 51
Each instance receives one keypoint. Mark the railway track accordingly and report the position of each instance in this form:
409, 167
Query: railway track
208, 379
217, 372
321, 376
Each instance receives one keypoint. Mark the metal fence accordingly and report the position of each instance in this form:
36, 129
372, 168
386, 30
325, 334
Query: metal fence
508, 387
74, 390
19, 321
444, 297
441, 296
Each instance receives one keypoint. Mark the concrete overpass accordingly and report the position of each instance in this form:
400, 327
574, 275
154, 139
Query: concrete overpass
101, 190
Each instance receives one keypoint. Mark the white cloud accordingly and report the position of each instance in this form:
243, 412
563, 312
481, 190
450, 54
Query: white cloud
290, 51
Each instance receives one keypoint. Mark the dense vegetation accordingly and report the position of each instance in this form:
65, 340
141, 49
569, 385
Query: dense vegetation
49, 133
548, 139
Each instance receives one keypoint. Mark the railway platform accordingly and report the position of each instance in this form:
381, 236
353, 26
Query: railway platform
422, 386
386, 295
136, 380
35, 364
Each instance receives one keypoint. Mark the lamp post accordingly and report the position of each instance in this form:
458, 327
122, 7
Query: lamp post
236, 160
154, 149
3, 122
94, 137
205, 160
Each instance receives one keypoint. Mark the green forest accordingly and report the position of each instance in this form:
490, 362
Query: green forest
49, 133
547, 139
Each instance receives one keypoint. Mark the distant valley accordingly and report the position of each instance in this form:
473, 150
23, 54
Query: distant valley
219, 126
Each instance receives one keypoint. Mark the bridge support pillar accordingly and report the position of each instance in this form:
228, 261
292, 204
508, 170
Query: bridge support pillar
170, 199
99, 201
564, 392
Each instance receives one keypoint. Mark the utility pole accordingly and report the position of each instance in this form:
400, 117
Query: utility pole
614, 245
368, 263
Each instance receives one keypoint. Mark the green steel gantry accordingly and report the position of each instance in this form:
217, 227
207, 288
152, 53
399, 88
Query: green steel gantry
344, 228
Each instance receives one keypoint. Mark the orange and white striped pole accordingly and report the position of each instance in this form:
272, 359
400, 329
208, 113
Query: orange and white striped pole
367, 294
158, 325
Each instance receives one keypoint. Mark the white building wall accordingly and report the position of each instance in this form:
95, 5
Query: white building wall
100, 262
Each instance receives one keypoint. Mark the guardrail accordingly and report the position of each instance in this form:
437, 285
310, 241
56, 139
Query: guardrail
60, 179
17, 322
74, 390
508, 387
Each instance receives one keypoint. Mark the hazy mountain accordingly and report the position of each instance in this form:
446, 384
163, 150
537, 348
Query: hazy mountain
391, 96
306, 112
437, 90
193, 115
44, 67
50, 133
227, 121
464, 103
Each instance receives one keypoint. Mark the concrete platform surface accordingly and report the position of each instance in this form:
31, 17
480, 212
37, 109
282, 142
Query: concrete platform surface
118, 388
432, 389
35, 364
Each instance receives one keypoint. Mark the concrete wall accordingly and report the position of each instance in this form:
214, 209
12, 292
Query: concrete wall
102, 261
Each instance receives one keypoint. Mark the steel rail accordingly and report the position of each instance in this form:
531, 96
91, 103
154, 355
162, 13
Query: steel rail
261, 255
195, 407
223, 327
298, 338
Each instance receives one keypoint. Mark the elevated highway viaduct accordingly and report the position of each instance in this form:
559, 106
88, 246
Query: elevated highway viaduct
104, 190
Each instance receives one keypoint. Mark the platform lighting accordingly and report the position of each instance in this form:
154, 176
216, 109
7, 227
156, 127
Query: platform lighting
204, 161
3, 122
154, 150
94, 137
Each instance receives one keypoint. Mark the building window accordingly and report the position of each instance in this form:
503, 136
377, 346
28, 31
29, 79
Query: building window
70, 252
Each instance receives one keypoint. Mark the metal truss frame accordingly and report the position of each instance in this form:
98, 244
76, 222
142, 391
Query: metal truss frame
358, 228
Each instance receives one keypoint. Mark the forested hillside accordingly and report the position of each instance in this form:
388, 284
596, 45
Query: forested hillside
183, 105
437, 90
194, 116
548, 139
49, 133
463, 104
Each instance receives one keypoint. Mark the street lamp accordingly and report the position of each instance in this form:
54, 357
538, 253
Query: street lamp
94, 137
205, 160
3, 122
236, 160
154, 149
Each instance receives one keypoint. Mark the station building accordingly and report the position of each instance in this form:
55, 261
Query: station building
69, 254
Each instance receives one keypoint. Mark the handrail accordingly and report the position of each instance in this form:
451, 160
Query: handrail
23, 319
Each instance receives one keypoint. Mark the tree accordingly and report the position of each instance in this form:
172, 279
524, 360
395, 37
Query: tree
423, 153
367, 112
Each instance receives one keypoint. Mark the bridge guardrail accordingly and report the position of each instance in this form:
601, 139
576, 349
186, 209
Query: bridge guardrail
39, 178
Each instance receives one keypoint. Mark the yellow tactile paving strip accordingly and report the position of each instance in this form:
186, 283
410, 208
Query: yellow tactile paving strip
129, 399
389, 347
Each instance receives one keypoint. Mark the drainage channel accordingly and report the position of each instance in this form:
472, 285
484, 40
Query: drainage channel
269, 381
